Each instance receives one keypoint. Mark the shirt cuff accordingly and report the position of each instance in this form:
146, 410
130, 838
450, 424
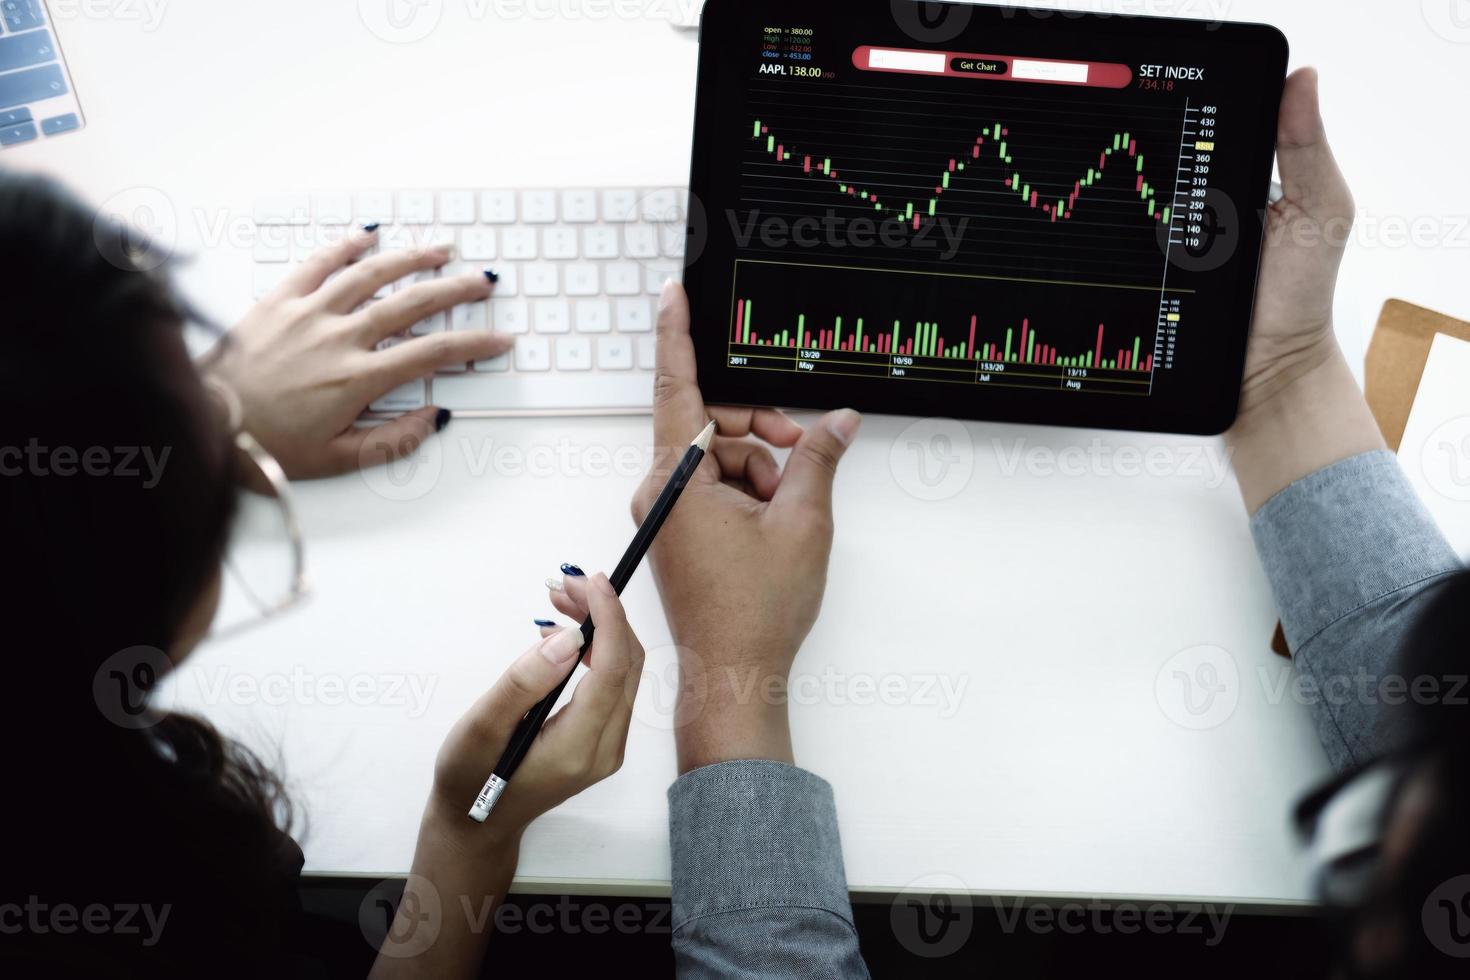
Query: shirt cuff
1343, 538
752, 835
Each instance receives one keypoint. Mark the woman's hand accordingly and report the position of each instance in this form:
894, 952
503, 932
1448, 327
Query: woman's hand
305, 364
741, 564
1306, 234
463, 869
580, 745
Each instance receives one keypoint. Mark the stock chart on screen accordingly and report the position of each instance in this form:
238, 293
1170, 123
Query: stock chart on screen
1027, 211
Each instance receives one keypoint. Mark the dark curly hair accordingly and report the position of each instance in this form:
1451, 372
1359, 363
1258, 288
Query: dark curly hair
168, 815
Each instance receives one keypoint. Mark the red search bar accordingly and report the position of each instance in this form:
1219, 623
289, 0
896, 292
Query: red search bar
997, 67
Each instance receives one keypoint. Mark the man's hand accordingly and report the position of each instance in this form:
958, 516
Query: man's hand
1306, 235
741, 564
1300, 408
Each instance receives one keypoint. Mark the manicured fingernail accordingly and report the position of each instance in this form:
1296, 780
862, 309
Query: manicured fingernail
371, 227
561, 648
603, 585
666, 295
845, 425
573, 571
441, 419
554, 584
491, 275
544, 623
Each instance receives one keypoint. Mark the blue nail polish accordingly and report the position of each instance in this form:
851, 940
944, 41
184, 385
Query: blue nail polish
544, 623
441, 419
370, 227
572, 570
491, 275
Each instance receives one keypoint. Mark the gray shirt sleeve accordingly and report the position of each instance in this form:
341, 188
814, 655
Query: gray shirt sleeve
759, 888
1350, 552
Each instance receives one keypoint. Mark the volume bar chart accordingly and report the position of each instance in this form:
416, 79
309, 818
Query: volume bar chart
936, 327
925, 340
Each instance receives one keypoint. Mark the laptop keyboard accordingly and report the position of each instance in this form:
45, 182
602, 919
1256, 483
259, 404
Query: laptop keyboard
580, 274
36, 99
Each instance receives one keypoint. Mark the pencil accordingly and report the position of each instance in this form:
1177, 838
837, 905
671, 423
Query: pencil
530, 726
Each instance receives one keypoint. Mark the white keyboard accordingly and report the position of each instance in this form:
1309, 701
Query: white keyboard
580, 274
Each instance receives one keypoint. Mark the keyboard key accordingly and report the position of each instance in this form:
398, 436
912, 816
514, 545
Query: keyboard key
642, 241
437, 236
619, 205
495, 365
283, 209
477, 244
671, 238
14, 117
560, 243
579, 207
21, 15
31, 85
457, 208
622, 279
498, 207
582, 279
470, 316
646, 352
11, 135
540, 279
533, 354
519, 243
655, 274
416, 207
662, 205
375, 206
538, 207
396, 238
24, 50
593, 316
634, 316
574, 354
510, 279
600, 242
552, 316
510, 315
489, 393
452, 368
615, 353
403, 399
332, 209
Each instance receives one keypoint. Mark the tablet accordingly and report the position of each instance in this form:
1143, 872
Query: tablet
979, 212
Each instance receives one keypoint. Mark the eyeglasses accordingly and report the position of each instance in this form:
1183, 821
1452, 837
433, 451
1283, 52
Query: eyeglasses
265, 560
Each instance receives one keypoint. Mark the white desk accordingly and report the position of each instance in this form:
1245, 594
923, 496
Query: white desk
1058, 601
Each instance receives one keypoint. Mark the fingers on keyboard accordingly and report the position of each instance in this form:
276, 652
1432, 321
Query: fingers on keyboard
309, 276
420, 302
422, 356
360, 281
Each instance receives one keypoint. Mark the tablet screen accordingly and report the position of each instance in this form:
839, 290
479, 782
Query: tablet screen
979, 212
